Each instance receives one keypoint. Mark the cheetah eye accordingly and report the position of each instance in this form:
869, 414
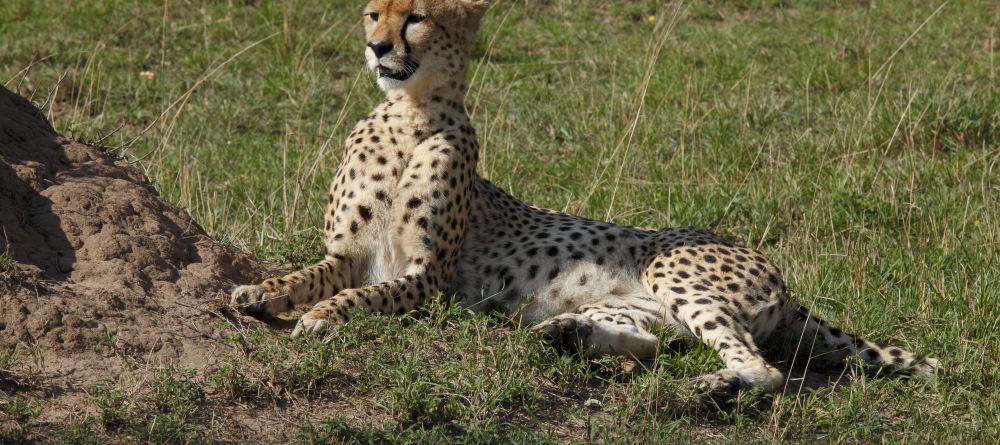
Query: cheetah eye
416, 18
373, 16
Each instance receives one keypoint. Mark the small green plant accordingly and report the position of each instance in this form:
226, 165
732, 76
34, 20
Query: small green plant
7, 263
79, 433
164, 413
230, 381
16, 417
337, 429
176, 392
108, 338
20, 364
18, 408
115, 408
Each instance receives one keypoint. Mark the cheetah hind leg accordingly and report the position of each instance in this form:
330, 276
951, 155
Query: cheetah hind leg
595, 334
745, 368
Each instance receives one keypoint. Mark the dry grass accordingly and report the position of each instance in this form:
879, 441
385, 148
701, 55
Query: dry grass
857, 144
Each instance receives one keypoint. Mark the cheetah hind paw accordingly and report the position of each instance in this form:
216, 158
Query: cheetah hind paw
722, 383
567, 332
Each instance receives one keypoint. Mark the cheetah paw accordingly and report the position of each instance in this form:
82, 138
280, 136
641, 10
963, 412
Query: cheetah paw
568, 332
926, 368
722, 383
254, 300
310, 324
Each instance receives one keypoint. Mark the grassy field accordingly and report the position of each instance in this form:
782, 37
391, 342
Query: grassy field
856, 143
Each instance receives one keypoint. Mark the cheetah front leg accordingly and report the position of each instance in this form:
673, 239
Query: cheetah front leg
397, 297
429, 220
314, 283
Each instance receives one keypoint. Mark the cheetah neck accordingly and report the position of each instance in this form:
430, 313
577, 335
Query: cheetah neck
437, 110
450, 93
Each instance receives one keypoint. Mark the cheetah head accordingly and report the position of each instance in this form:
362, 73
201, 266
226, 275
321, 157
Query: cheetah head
417, 45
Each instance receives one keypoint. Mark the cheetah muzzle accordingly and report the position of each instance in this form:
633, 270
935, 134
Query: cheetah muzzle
401, 74
409, 217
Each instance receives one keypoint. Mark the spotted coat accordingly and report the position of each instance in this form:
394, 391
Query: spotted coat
409, 217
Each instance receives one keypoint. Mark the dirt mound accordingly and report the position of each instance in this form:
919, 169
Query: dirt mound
90, 253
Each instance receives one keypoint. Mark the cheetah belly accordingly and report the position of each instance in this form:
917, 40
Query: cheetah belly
580, 284
533, 300
486, 284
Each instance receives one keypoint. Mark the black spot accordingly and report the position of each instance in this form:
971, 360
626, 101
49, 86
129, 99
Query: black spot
678, 290
366, 213
553, 273
702, 301
414, 203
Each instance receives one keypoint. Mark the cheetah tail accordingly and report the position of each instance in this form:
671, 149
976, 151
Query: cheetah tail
805, 327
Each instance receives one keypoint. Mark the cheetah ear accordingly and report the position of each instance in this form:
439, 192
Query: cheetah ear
476, 7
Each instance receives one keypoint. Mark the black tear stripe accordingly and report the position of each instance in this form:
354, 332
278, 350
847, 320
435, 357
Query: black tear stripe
402, 36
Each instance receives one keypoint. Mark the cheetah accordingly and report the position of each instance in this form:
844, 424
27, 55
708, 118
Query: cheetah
409, 217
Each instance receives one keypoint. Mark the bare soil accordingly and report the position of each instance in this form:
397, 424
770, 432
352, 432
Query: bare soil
98, 256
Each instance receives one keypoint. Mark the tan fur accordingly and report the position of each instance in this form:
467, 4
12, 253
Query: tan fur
409, 217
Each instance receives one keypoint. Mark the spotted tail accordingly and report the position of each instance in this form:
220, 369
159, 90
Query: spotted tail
805, 327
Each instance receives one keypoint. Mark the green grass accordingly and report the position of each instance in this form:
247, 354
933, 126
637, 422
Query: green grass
857, 144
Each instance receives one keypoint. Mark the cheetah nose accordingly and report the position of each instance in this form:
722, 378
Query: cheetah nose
380, 47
